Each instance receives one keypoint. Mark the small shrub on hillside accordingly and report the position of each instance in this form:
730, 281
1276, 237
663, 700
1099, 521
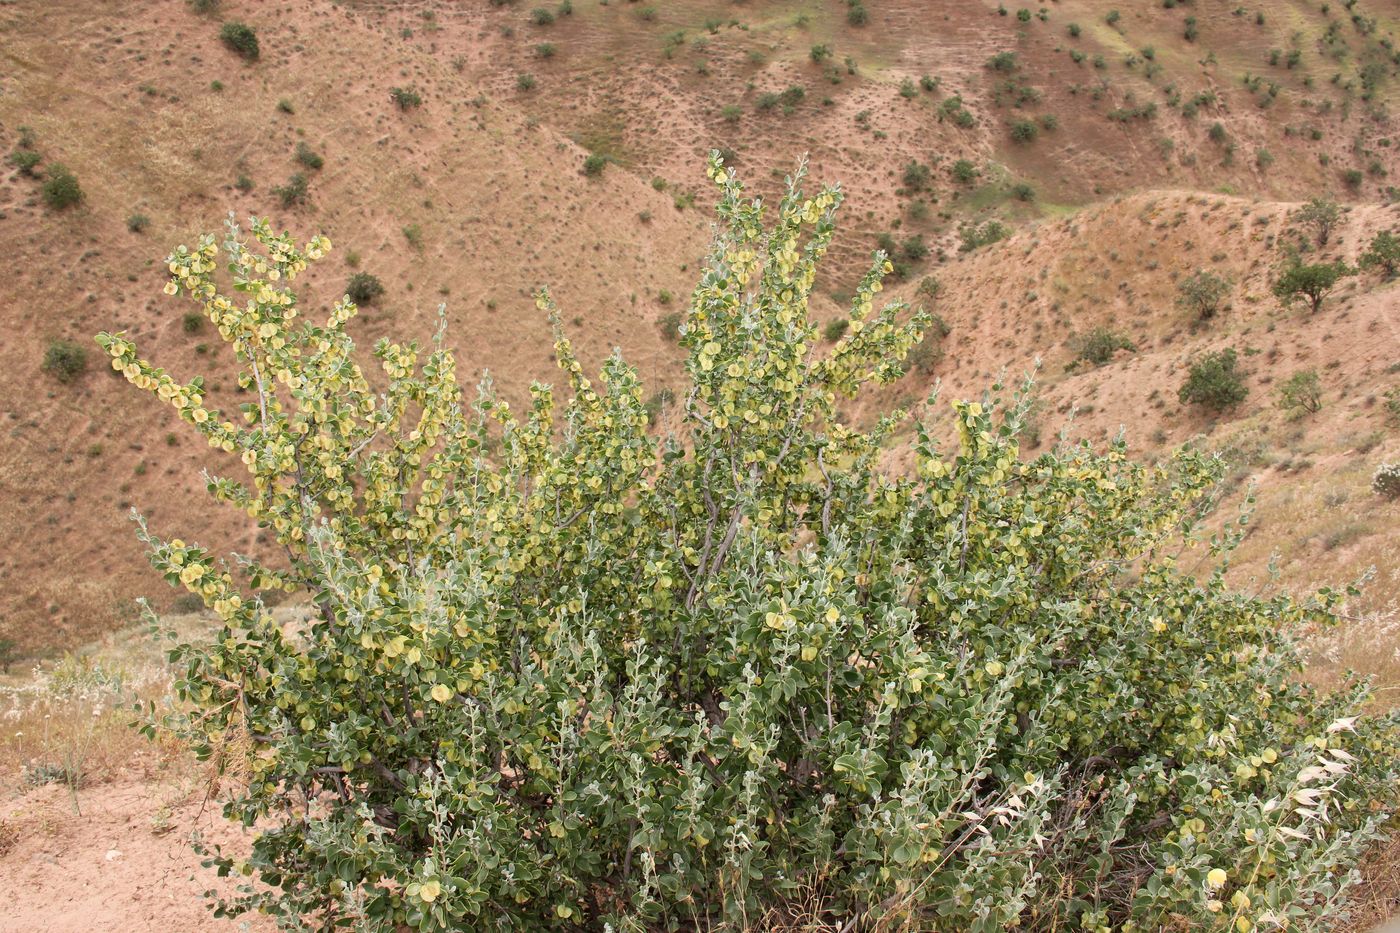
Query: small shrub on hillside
856, 13
1004, 62
835, 329
965, 172
1301, 392
405, 98
137, 223
309, 157
581, 679
1098, 346
1321, 215
364, 288
1214, 382
1386, 481
192, 322
1202, 293
525, 82
670, 324
204, 6
975, 236
241, 38
542, 16
61, 189
65, 360
1024, 131
1310, 282
594, 163
294, 192
1383, 254
25, 161
916, 176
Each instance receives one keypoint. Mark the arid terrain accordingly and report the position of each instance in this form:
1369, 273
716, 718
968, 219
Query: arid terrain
1043, 179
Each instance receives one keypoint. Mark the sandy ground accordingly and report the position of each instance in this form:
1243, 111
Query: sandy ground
124, 864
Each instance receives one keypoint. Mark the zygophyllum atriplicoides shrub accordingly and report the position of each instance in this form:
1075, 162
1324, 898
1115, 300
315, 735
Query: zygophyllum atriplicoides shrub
561, 675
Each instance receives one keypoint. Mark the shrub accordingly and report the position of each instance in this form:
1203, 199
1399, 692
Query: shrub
192, 322
1202, 293
65, 360
1312, 282
1214, 382
1321, 214
856, 13
594, 163
241, 38
61, 189
1024, 131
525, 82
1022, 191
1386, 481
364, 288
137, 223
1383, 253
25, 161
731, 113
294, 192
670, 324
309, 157
542, 16
820, 53
908, 89
916, 176
557, 679
405, 98
1301, 392
285, 106
1099, 345
1004, 62
975, 236
964, 171
835, 329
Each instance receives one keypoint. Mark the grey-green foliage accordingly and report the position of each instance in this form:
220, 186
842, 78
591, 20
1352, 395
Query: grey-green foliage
562, 675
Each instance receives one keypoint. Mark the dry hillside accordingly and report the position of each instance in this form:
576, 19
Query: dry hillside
1157, 146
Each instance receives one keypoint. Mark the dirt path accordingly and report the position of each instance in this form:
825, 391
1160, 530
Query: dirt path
124, 865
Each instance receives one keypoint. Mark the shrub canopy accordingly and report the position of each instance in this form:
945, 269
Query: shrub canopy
562, 675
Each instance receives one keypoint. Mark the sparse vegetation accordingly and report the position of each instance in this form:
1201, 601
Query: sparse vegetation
295, 192
1385, 482
1321, 215
61, 189
1311, 282
975, 236
241, 38
1099, 345
594, 163
65, 360
1214, 382
1202, 293
309, 157
1301, 392
364, 288
405, 98
1383, 253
